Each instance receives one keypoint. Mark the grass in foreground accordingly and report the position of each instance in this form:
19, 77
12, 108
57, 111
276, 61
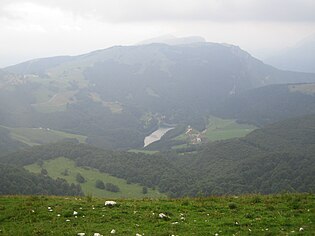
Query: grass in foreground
287, 214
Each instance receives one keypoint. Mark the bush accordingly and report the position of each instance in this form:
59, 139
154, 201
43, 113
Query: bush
112, 187
232, 205
144, 190
99, 184
80, 178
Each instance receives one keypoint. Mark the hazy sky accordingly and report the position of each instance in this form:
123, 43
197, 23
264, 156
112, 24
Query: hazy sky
41, 28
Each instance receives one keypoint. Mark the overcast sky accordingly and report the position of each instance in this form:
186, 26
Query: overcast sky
40, 28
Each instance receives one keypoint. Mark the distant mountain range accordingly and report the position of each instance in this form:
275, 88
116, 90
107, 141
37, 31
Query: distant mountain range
172, 40
118, 95
298, 58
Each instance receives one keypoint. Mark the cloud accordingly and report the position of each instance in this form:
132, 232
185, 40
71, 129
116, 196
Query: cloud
40, 28
31, 17
188, 10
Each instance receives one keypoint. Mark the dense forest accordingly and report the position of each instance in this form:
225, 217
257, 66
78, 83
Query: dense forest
7, 144
269, 104
277, 158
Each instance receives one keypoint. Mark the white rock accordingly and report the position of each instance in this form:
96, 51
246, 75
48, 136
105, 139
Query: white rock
75, 213
175, 223
162, 215
67, 220
113, 231
81, 234
138, 235
301, 229
110, 203
97, 234
58, 215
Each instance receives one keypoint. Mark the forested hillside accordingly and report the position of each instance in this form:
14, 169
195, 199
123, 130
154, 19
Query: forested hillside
270, 104
277, 158
7, 144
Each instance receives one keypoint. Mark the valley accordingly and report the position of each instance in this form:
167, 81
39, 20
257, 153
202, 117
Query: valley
192, 120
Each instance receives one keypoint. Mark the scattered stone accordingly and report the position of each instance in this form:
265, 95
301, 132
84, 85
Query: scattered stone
113, 231
75, 213
175, 223
81, 234
162, 216
97, 234
301, 229
110, 203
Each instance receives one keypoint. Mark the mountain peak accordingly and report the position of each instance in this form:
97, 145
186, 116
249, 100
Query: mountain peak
172, 40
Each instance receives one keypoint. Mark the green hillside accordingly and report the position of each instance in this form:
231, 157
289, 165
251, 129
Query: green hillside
36, 136
220, 129
56, 168
286, 214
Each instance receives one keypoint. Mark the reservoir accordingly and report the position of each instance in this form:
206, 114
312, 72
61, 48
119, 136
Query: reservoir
155, 136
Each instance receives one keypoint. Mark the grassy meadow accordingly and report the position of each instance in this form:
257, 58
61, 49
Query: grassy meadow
56, 167
286, 214
220, 129
37, 136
